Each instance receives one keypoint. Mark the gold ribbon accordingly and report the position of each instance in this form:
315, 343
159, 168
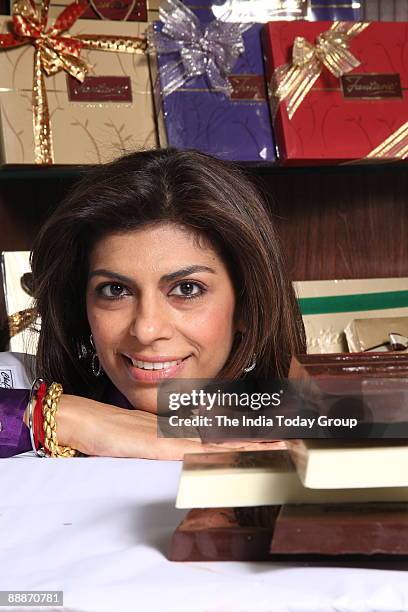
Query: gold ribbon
393, 147
53, 52
292, 82
21, 320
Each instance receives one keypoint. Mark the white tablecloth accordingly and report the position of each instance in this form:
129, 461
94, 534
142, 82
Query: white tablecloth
99, 529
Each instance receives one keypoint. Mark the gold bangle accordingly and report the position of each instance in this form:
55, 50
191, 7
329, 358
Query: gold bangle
50, 406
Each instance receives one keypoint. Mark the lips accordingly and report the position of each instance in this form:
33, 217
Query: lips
151, 370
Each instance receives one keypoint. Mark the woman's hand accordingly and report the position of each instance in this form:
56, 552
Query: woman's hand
98, 429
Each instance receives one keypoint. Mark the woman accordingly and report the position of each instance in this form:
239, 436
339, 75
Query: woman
160, 264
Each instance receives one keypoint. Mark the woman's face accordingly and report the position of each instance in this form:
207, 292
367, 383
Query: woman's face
160, 305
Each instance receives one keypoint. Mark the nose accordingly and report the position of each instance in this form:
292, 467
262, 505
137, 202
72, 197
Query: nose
151, 319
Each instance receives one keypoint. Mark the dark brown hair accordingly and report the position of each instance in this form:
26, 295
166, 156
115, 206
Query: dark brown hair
184, 187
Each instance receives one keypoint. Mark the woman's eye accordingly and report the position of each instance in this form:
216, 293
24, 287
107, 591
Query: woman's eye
112, 290
187, 290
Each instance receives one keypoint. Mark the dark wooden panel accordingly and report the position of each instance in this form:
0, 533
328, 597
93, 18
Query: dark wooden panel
333, 222
4, 7
25, 203
341, 224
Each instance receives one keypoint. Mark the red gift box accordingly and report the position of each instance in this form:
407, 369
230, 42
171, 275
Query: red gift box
345, 118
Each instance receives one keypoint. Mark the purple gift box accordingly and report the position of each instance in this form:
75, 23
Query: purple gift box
235, 128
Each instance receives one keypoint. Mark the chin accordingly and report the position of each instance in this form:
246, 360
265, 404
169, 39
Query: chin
145, 400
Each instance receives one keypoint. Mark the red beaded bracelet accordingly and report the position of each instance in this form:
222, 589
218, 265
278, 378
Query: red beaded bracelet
38, 428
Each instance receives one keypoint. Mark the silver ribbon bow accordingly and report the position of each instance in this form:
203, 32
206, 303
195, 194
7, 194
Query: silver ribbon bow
211, 51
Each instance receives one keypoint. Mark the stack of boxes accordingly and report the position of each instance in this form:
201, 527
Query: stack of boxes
356, 114
335, 496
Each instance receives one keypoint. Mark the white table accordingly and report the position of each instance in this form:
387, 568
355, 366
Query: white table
99, 530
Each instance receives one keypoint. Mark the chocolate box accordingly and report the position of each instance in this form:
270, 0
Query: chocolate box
110, 113
262, 12
335, 10
346, 118
328, 306
248, 12
378, 334
385, 10
115, 10
197, 117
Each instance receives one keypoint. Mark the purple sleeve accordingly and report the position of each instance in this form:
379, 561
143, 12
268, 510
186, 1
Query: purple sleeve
14, 433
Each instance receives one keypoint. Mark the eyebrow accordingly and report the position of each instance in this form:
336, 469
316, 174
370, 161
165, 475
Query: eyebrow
165, 278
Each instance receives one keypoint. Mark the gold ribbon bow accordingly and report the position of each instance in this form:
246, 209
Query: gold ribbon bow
53, 52
292, 82
21, 320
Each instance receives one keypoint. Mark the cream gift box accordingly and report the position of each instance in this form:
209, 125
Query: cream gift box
13, 265
111, 113
374, 334
329, 306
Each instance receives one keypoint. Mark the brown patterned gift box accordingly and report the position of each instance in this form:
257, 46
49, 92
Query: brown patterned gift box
115, 10
385, 10
109, 113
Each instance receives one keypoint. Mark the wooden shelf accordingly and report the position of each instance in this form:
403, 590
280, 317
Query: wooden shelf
66, 172
347, 221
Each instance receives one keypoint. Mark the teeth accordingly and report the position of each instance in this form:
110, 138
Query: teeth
156, 365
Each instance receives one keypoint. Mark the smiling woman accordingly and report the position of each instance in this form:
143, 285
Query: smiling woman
160, 264
159, 305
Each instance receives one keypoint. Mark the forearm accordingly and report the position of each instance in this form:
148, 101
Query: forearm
98, 429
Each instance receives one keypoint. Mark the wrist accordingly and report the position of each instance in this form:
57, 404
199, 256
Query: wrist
82, 423
67, 423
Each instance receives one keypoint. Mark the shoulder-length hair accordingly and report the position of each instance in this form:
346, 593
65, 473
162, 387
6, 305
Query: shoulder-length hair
211, 197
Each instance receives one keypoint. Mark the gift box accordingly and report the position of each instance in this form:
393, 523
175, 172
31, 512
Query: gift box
273, 10
15, 268
355, 109
328, 306
385, 10
335, 10
111, 112
242, 11
381, 334
115, 10
198, 116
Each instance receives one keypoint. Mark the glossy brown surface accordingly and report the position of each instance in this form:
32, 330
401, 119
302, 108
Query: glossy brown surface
342, 529
219, 534
371, 387
341, 223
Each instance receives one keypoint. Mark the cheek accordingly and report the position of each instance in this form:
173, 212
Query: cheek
212, 326
107, 327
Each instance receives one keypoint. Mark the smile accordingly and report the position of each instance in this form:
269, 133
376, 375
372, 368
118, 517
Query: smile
153, 371
153, 365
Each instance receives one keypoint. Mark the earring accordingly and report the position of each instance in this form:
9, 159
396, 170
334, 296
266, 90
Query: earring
82, 350
96, 367
252, 366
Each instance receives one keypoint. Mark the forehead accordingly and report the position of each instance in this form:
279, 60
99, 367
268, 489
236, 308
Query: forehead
157, 247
